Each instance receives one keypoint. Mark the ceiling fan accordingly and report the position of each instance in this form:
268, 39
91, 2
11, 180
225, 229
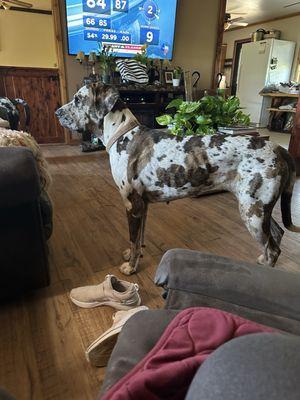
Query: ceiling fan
7, 4
292, 4
229, 21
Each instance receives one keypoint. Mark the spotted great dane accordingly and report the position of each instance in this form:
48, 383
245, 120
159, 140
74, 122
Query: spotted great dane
152, 165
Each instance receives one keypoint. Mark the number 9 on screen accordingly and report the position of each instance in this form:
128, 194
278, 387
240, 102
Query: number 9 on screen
149, 36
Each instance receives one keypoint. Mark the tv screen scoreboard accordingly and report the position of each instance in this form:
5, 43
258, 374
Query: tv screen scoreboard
97, 24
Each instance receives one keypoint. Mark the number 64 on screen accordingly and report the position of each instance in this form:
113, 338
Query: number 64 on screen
104, 6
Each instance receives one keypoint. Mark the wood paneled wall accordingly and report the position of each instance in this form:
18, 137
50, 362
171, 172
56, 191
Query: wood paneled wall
40, 88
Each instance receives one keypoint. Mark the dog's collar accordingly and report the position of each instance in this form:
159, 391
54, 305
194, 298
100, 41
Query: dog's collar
131, 124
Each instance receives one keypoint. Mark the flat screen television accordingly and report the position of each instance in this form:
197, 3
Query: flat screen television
125, 25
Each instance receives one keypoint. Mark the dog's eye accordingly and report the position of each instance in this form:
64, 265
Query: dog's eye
76, 99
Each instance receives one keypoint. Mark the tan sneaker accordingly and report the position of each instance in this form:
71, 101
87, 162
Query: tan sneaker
112, 292
99, 351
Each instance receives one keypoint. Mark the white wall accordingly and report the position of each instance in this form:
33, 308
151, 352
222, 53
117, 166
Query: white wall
290, 28
27, 39
196, 37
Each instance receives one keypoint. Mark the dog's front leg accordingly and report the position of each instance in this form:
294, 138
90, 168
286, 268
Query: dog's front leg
143, 226
136, 222
127, 252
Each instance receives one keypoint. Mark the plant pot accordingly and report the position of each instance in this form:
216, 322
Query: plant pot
176, 82
106, 79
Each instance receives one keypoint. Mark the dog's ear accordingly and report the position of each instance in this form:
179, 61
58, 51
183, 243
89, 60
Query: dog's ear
104, 98
111, 97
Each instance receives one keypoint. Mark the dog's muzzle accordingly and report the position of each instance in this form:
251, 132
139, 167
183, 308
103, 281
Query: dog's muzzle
63, 120
58, 113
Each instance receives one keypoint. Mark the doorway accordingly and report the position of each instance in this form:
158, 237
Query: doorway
238, 44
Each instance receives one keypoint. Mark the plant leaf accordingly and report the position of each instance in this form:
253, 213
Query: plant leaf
164, 120
189, 107
203, 120
176, 103
189, 132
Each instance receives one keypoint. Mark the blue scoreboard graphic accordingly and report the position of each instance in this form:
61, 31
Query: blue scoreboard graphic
125, 25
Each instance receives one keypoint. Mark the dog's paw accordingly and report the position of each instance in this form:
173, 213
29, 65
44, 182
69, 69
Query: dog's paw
261, 260
126, 254
127, 269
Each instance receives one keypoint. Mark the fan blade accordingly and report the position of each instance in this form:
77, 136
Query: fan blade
291, 5
6, 6
240, 23
236, 19
227, 25
19, 3
236, 13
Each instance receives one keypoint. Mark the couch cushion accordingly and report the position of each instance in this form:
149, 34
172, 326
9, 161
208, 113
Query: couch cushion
253, 367
19, 179
135, 342
46, 213
198, 279
181, 299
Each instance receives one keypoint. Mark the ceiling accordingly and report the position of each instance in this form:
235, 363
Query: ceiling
261, 10
39, 4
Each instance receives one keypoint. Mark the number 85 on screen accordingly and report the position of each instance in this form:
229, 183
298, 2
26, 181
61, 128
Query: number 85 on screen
149, 36
96, 6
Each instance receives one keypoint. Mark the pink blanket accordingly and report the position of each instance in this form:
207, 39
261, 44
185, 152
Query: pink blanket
168, 369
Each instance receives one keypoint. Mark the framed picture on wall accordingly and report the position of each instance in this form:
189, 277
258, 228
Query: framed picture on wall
169, 76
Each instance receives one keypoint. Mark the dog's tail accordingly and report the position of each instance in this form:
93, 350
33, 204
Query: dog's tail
26, 111
287, 193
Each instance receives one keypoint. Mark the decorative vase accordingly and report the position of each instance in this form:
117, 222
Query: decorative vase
176, 82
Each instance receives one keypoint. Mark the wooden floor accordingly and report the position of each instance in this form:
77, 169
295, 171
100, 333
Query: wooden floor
43, 336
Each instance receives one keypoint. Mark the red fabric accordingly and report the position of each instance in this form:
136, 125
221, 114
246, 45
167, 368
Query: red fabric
168, 369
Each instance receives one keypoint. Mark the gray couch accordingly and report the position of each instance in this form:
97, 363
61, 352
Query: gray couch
26, 223
190, 278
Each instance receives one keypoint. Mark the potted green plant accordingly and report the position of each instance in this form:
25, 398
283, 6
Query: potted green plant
177, 73
142, 57
203, 117
107, 62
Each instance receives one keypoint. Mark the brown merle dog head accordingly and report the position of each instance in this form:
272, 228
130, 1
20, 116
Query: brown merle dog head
85, 113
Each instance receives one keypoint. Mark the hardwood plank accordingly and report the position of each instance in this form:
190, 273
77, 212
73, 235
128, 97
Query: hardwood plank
44, 335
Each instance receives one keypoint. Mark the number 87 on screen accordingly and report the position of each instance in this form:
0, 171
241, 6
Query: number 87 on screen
120, 5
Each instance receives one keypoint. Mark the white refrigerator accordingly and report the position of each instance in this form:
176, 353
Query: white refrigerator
262, 63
